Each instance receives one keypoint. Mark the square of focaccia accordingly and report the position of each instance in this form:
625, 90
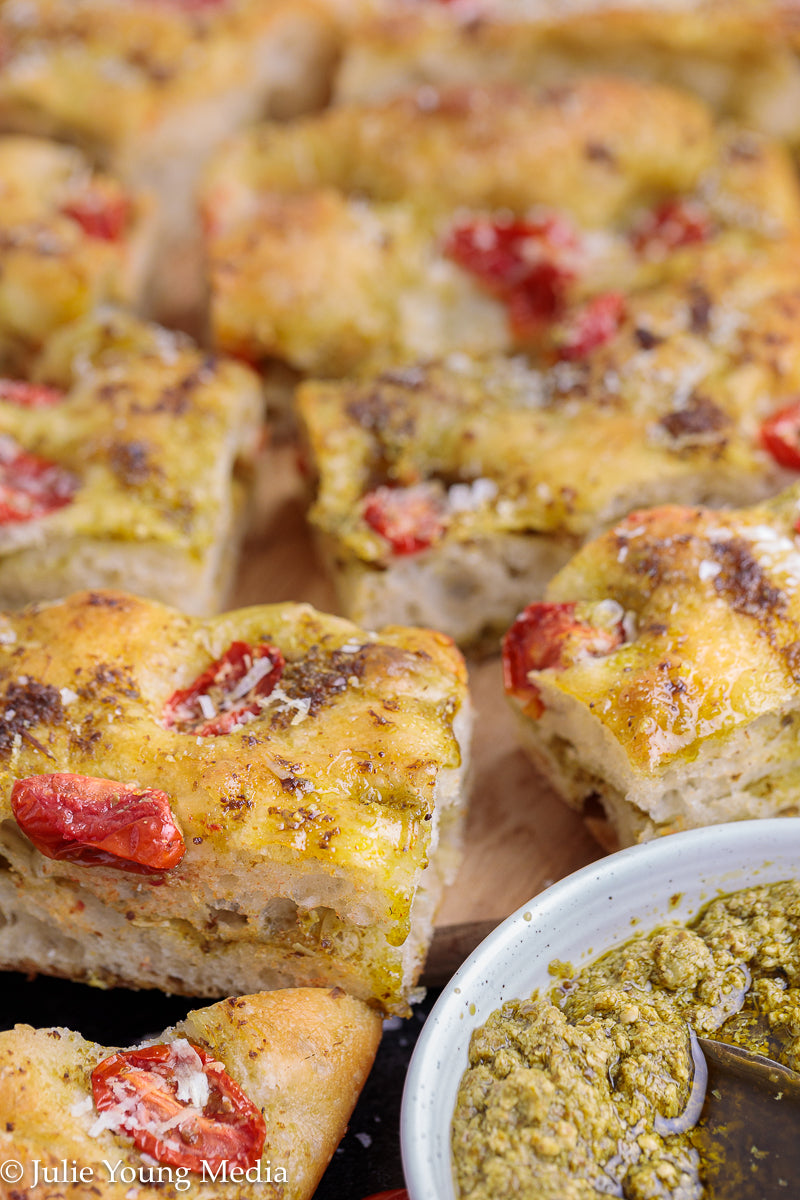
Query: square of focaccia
149, 88
123, 463
448, 494
310, 789
70, 238
661, 673
287, 1067
479, 219
741, 58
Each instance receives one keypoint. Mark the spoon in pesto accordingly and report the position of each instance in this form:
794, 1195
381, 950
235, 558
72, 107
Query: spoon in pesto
756, 1069
746, 1132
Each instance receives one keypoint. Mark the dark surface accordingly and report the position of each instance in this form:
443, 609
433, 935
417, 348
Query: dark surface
368, 1159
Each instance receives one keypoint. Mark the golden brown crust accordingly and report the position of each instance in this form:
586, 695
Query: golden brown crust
328, 237
307, 828
60, 57
690, 718
157, 437
53, 267
301, 1056
150, 88
738, 55
670, 408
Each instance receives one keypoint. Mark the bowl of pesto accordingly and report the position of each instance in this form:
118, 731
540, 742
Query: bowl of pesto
561, 1062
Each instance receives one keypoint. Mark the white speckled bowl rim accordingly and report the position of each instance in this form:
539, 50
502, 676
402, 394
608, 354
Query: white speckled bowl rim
574, 920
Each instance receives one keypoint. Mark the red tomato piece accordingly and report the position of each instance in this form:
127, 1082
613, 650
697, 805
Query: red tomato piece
29, 395
674, 224
30, 486
410, 518
546, 636
101, 215
593, 325
227, 692
395, 1193
780, 435
523, 263
538, 301
146, 1091
98, 822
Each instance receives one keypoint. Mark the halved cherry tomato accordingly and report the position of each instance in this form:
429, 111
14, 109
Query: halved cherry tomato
593, 325
29, 395
227, 692
780, 435
521, 262
31, 486
142, 1089
100, 214
410, 518
81, 819
544, 636
674, 224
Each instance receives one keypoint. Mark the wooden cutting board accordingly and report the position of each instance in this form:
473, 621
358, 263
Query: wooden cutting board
520, 837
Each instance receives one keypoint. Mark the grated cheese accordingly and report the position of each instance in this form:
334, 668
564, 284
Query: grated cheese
708, 569
260, 668
467, 497
129, 1112
193, 1086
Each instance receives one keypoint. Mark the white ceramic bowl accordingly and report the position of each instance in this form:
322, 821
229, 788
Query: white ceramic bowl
575, 920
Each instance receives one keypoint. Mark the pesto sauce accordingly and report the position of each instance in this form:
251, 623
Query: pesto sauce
565, 1093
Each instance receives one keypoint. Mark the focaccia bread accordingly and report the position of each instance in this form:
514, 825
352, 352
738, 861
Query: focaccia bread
296, 787
123, 463
70, 238
448, 494
741, 56
265, 1113
478, 219
661, 674
149, 88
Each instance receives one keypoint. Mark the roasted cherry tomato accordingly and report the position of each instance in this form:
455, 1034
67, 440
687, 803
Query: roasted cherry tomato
180, 1106
539, 638
227, 692
592, 326
522, 263
31, 486
780, 435
29, 395
410, 518
674, 224
101, 214
98, 822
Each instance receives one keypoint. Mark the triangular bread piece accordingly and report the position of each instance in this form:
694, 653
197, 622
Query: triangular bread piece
301, 1055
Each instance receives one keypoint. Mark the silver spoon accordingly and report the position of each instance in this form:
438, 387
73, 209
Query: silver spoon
755, 1068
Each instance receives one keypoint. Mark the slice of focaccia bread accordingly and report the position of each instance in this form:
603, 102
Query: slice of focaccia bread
248, 1098
122, 464
268, 797
740, 57
149, 88
661, 674
448, 494
70, 238
484, 218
